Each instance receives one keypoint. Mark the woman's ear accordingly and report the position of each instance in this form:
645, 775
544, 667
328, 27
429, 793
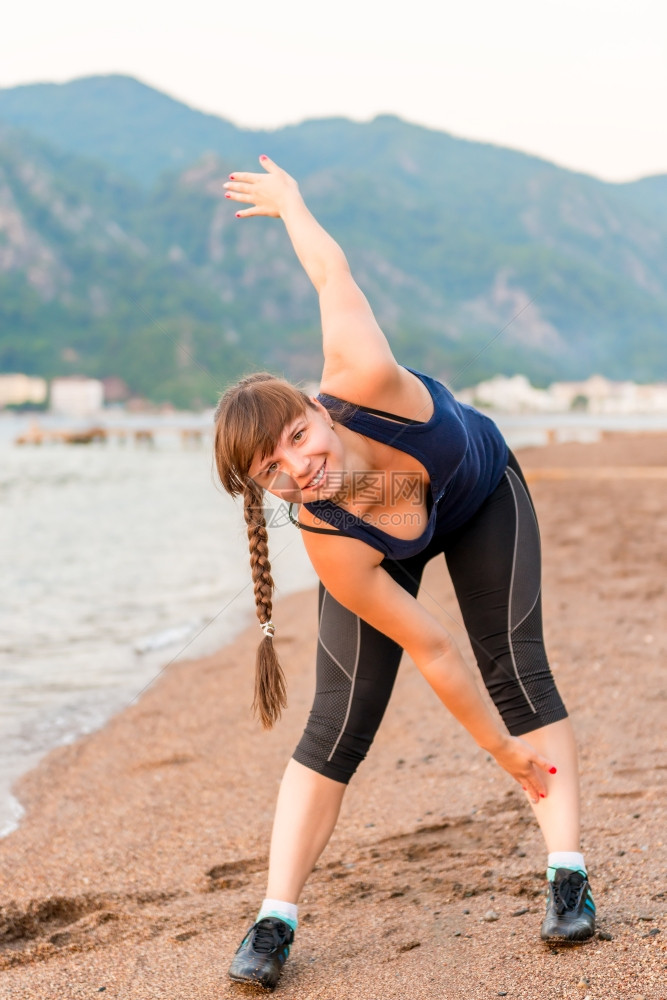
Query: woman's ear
322, 410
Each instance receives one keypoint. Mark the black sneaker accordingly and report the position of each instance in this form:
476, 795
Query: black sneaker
570, 908
262, 953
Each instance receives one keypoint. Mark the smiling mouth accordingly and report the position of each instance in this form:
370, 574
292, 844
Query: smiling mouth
317, 478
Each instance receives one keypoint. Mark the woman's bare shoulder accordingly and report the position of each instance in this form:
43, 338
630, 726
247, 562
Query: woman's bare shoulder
331, 552
393, 389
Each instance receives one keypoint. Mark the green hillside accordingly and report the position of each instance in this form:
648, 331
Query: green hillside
119, 255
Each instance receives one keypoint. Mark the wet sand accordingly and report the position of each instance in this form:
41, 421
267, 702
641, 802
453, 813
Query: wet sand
140, 862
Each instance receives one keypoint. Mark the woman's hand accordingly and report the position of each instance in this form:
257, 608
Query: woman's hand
268, 194
525, 765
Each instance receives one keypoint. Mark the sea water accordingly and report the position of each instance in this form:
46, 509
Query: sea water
115, 561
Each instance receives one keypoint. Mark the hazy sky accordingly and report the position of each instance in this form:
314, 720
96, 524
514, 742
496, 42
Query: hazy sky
580, 82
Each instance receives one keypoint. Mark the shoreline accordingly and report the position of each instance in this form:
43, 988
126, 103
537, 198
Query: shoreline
140, 861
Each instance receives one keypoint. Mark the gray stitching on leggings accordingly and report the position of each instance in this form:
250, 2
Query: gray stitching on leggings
539, 590
509, 603
353, 679
325, 648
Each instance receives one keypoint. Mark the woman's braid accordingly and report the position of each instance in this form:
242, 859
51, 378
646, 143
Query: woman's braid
270, 689
258, 540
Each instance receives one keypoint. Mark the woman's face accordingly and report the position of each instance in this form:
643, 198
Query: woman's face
307, 462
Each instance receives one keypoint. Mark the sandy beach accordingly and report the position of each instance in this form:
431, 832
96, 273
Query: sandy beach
140, 862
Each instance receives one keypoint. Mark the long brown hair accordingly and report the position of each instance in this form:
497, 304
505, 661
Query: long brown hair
250, 419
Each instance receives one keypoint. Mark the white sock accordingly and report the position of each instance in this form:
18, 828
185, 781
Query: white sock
278, 908
565, 859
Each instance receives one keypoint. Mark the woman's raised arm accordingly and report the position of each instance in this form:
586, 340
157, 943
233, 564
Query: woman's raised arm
353, 343
276, 194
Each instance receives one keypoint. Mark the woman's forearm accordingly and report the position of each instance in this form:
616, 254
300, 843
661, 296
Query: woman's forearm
455, 685
317, 251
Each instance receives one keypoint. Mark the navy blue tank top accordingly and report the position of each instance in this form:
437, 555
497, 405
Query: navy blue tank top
463, 452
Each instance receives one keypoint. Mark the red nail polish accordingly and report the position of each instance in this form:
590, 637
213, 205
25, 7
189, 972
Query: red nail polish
542, 795
231, 177
262, 157
238, 215
227, 195
552, 770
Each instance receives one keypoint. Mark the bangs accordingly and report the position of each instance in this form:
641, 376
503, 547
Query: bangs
250, 419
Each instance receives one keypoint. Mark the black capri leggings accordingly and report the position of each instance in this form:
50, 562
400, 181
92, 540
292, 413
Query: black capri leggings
494, 563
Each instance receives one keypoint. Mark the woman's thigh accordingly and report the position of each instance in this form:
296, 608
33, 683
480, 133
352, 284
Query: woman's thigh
495, 565
356, 670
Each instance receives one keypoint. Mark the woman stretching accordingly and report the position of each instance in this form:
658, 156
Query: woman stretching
385, 471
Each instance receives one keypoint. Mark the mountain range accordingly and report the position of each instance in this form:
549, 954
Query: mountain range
120, 256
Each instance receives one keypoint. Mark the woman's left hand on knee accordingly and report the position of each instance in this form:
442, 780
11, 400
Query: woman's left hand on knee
526, 766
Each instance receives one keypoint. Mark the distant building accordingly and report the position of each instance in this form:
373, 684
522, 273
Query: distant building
116, 390
18, 389
597, 395
76, 396
512, 394
600, 395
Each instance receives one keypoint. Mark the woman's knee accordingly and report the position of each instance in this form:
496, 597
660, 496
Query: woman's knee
338, 762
